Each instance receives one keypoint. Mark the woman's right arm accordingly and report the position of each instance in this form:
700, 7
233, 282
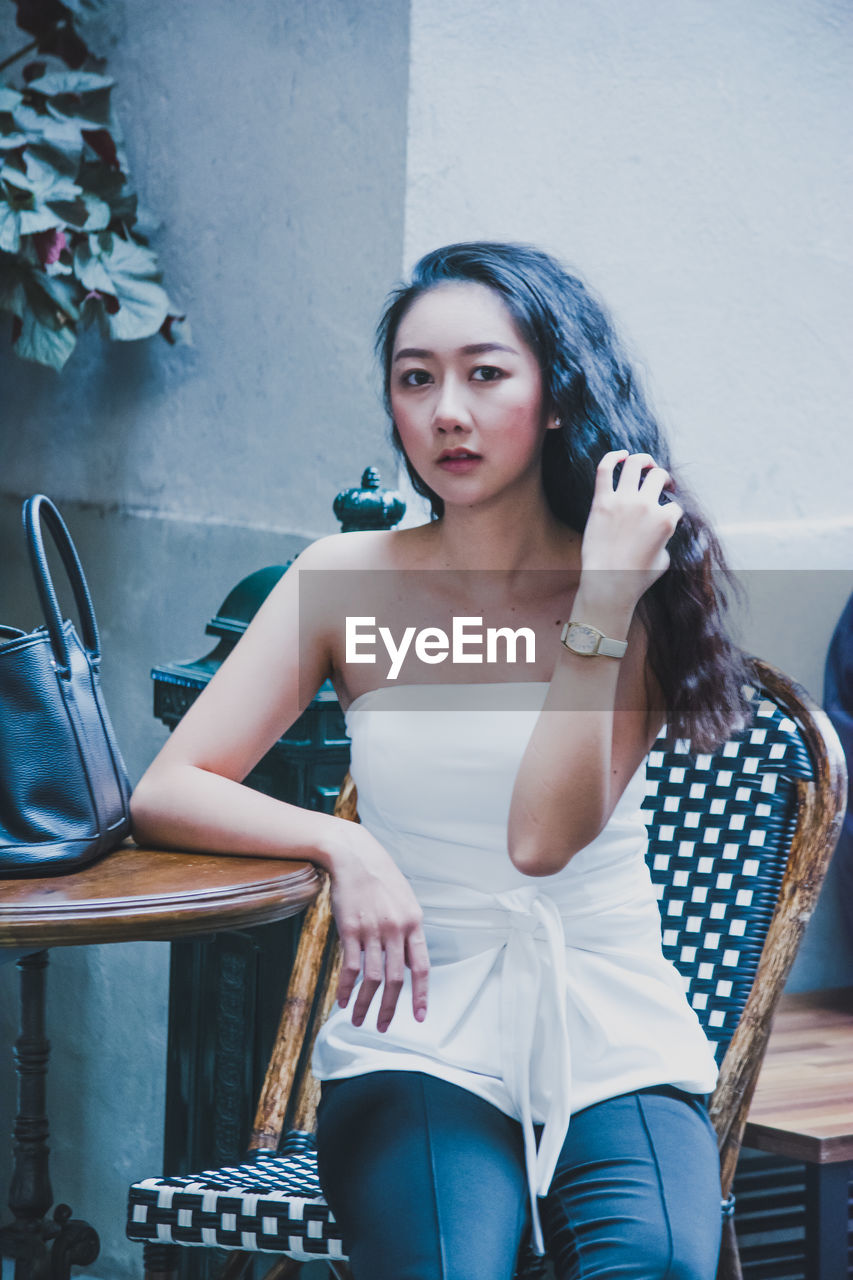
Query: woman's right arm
192, 796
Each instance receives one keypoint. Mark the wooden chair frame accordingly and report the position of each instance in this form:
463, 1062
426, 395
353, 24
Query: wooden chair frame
821, 806
289, 1096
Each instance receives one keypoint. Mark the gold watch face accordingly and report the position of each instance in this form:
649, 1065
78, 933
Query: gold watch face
581, 639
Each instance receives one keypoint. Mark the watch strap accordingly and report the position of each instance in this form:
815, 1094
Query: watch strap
612, 648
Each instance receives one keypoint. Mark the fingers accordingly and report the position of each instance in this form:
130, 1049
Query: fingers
394, 965
632, 471
640, 473
604, 471
417, 958
655, 480
385, 959
350, 964
674, 513
373, 974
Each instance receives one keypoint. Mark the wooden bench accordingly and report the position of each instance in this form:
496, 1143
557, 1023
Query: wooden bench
803, 1110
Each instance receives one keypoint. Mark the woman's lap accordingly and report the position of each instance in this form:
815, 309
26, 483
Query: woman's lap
427, 1181
636, 1192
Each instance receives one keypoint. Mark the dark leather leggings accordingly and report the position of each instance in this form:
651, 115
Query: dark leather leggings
427, 1182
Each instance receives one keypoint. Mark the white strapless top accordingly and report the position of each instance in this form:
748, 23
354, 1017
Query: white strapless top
546, 994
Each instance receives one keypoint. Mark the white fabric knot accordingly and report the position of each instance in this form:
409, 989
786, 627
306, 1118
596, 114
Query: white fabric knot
520, 905
526, 982
527, 924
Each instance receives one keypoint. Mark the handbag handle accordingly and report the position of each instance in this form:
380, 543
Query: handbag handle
39, 511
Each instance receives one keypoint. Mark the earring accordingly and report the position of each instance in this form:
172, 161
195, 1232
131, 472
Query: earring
558, 422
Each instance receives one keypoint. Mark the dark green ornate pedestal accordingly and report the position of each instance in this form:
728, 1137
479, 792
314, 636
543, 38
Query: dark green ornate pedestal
226, 990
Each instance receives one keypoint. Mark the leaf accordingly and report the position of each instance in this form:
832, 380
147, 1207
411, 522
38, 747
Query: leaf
90, 270
44, 180
72, 213
76, 82
10, 228
32, 71
109, 185
86, 213
47, 334
102, 143
43, 344
90, 109
147, 224
61, 294
99, 212
39, 219
39, 126
143, 302
14, 176
65, 43
62, 161
110, 304
176, 330
39, 17
49, 245
18, 195
52, 24
98, 306
10, 140
9, 98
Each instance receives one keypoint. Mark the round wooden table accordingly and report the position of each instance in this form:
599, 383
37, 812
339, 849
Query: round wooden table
133, 894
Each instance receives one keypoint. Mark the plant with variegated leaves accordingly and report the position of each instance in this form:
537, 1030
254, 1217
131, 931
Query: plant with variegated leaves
73, 248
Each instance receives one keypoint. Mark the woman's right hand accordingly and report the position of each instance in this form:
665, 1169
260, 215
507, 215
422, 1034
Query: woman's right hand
379, 917
624, 542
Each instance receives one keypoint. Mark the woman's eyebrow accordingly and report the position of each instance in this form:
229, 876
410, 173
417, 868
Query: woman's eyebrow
473, 349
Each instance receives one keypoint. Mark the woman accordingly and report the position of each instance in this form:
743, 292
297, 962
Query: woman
500, 857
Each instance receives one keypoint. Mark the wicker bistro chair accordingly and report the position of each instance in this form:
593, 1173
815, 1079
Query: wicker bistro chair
738, 845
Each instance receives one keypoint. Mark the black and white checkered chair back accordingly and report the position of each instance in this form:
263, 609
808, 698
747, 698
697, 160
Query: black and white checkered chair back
720, 829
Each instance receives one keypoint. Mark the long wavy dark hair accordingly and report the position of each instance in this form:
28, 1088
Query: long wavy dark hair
589, 385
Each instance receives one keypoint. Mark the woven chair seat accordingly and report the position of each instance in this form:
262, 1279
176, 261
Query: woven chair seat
270, 1204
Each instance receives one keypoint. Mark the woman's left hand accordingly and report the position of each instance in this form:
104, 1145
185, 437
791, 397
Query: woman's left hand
628, 527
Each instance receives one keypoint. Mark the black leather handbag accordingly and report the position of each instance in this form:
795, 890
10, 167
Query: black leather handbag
64, 790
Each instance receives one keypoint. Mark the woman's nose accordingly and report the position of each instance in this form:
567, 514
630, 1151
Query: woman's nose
450, 408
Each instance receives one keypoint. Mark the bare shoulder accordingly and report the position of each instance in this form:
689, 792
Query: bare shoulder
365, 549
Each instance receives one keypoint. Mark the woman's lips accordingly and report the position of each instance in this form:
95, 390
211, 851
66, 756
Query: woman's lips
460, 464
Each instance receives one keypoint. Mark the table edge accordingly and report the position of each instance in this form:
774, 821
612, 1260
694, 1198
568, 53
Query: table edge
155, 920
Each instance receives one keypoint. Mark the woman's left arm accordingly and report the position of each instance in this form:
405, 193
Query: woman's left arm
601, 714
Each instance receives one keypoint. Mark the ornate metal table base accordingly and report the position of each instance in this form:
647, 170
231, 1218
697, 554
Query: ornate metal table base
43, 1248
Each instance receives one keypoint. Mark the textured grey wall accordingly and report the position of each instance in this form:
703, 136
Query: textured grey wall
690, 160
270, 138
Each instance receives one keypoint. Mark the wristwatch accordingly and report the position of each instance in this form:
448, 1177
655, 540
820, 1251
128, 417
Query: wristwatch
580, 638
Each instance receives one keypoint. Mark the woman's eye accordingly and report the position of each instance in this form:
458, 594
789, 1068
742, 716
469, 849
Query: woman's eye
414, 378
487, 373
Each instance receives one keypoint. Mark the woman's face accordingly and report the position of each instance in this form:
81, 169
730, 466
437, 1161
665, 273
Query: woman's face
464, 382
